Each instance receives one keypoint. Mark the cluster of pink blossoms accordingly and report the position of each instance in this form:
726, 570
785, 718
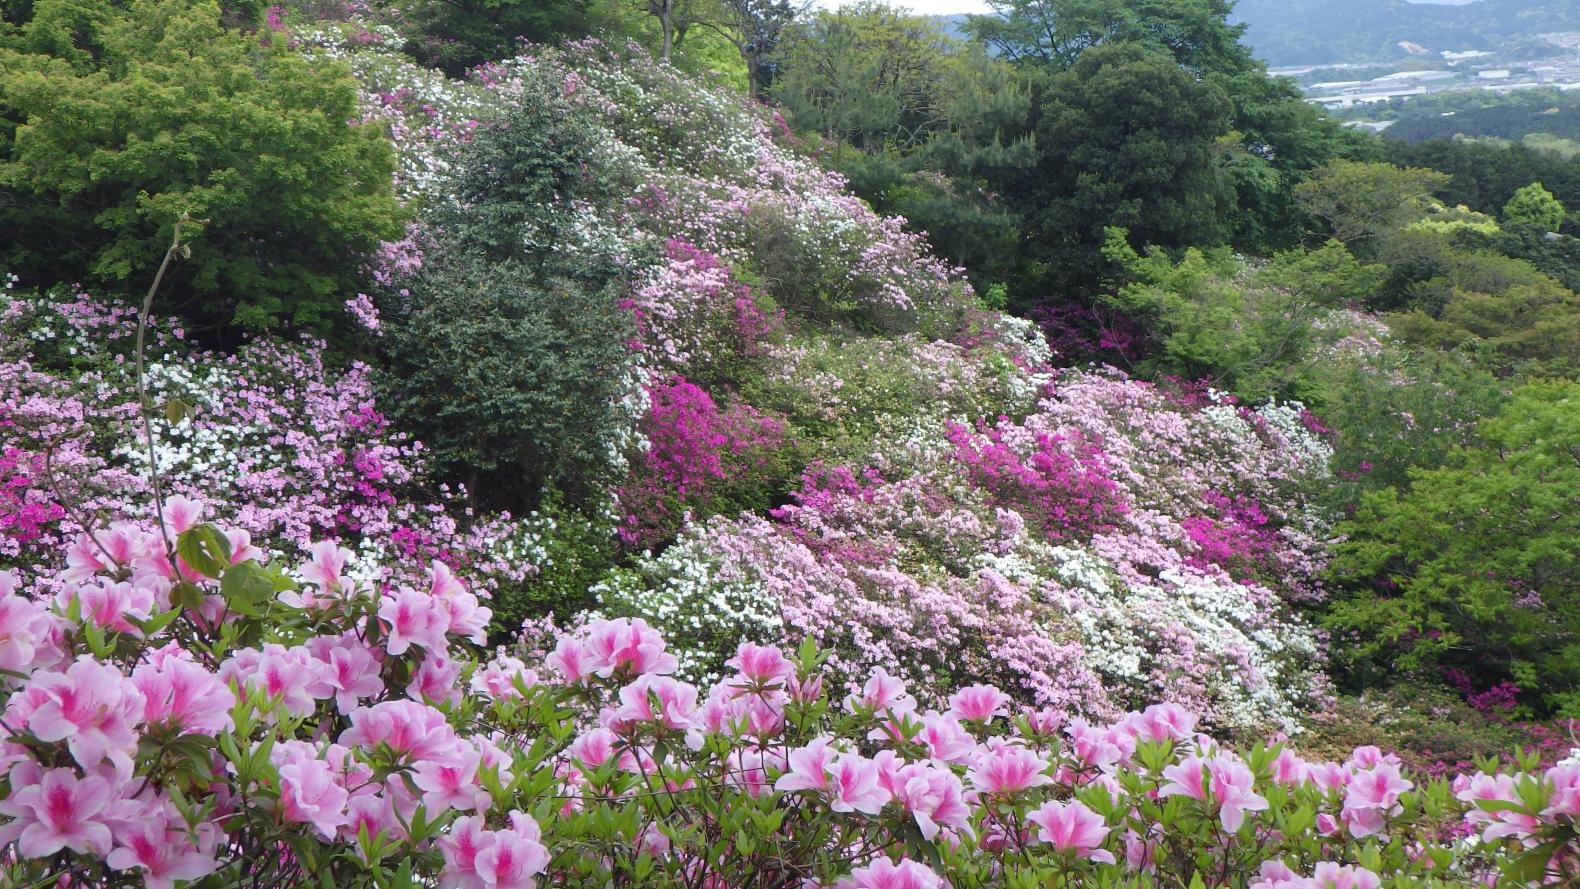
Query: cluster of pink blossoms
316, 712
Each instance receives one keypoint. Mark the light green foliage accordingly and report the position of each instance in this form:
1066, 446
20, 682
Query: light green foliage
1362, 203
1534, 207
1394, 408
1505, 308
869, 76
117, 119
1474, 564
1256, 333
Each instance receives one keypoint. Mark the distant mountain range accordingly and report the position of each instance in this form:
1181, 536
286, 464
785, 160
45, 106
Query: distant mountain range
1317, 32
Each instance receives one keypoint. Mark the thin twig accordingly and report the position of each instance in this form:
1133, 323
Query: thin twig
142, 388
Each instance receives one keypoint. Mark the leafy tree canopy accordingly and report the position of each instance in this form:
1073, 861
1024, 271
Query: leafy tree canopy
117, 119
1474, 563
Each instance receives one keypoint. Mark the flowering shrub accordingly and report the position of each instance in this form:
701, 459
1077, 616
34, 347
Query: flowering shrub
698, 458
693, 314
300, 452
230, 723
954, 557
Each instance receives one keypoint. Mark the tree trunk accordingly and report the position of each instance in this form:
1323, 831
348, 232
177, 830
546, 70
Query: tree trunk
666, 23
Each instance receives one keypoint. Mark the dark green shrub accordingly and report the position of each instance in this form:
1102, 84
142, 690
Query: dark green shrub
512, 379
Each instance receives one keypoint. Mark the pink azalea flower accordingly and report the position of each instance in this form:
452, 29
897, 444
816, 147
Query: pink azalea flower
1099, 747
1290, 770
1565, 783
497, 678
653, 699
181, 693
946, 739
55, 810
1329, 875
27, 637
436, 679
290, 676
1162, 722
884, 874
978, 703
413, 618
1007, 770
450, 782
934, 797
92, 707
309, 794
412, 730
476, 858
326, 569
181, 514
1222, 780
854, 786
351, 669
164, 855
809, 767
1073, 828
626, 645
1275, 874
882, 694
762, 666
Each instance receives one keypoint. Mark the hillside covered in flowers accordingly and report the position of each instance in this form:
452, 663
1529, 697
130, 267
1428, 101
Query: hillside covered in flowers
546, 468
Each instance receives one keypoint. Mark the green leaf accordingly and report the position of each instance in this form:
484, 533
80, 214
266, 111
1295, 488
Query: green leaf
204, 549
246, 587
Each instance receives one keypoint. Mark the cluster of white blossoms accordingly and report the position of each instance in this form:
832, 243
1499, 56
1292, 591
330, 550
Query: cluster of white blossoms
705, 615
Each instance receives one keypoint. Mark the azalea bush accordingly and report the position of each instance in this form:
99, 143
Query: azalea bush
298, 449
1087, 558
179, 710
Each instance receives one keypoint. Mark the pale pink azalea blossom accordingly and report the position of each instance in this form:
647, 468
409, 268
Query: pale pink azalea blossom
93, 707
1221, 780
164, 853
309, 794
978, 703
412, 618
809, 767
854, 786
1007, 770
885, 874
55, 809
1072, 827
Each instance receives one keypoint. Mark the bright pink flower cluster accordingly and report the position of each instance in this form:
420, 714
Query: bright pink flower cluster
697, 456
1062, 483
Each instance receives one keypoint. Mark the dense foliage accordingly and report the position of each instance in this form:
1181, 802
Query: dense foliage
117, 120
806, 564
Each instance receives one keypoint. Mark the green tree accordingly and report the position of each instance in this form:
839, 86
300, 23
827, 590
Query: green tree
511, 378
1363, 203
1196, 33
1257, 334
1534, 207
1127, 138
868, 75
507, 354
458, 34
1474, 564
117, 119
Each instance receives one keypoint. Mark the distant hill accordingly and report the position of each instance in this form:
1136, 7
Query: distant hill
1316, 32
